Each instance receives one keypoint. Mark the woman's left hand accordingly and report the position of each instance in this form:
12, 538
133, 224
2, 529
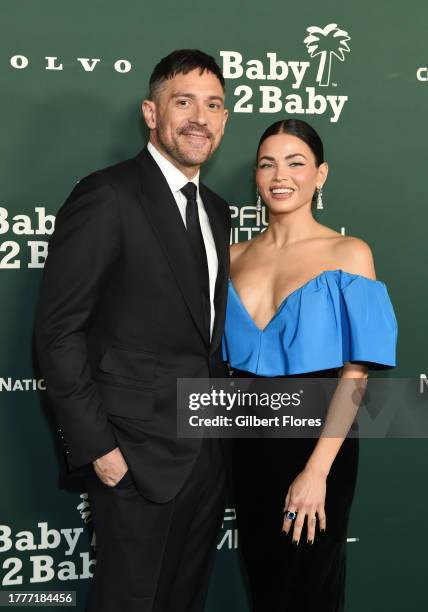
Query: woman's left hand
306, 496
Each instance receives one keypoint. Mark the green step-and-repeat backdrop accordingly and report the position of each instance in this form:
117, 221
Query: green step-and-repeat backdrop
72, 79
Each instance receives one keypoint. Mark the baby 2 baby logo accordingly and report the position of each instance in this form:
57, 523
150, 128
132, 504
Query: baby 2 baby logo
324, 45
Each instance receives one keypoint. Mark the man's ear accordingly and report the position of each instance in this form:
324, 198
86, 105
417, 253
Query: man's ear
226, 115
149, 112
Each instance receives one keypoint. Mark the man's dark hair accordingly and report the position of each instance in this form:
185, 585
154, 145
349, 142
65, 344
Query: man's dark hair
182, 61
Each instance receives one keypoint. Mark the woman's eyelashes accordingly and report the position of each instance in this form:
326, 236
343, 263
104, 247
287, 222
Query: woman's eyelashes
291, 165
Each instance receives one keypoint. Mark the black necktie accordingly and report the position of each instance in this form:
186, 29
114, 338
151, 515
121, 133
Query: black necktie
198, 246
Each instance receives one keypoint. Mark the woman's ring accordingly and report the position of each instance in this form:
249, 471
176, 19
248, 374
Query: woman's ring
290, 515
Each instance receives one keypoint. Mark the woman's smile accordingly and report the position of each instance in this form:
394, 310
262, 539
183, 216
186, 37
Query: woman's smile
281, 193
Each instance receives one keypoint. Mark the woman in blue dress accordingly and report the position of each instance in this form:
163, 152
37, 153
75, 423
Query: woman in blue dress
303, 301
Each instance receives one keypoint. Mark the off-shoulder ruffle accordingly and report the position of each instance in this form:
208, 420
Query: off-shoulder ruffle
334, 318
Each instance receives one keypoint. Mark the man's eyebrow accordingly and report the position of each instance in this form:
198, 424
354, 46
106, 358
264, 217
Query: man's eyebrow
183, 94
216, 98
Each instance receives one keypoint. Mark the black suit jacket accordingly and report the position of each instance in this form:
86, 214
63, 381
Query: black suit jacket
120, 319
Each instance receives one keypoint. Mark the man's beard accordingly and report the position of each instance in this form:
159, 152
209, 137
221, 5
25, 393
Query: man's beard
185, 157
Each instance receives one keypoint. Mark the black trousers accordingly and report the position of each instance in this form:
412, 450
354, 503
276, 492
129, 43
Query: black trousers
284, 577
155, 557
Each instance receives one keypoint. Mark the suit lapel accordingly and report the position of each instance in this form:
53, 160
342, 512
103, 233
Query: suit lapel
223, 267
163, 214
162, 211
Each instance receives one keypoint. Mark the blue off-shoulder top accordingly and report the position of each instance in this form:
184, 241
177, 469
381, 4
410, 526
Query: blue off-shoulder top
333, 318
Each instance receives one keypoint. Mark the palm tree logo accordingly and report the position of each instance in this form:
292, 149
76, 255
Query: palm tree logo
327, 42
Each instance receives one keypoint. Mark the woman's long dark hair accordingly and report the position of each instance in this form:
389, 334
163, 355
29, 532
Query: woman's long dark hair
300, 129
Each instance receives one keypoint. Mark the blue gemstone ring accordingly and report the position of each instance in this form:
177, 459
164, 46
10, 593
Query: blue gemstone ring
290, 515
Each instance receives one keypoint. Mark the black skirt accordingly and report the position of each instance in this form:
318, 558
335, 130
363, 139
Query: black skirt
285, 577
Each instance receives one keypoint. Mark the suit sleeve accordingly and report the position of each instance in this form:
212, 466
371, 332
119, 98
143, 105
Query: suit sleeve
82, 250
227, 214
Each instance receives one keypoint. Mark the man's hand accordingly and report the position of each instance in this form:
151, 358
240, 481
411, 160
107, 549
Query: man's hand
111, 468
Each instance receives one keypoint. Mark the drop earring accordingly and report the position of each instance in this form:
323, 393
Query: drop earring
319, 198
258, 202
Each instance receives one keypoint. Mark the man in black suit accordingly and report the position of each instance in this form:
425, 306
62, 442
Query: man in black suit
133, 297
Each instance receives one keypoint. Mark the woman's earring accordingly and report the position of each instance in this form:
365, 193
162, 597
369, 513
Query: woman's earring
258, 202
319, 198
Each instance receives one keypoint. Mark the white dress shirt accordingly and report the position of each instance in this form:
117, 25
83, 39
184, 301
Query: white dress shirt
176, 181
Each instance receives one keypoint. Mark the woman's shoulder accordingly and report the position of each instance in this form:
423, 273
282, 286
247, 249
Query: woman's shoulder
347, 253
353, 255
